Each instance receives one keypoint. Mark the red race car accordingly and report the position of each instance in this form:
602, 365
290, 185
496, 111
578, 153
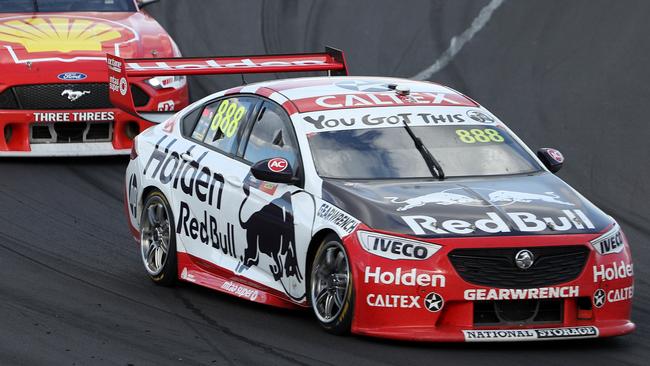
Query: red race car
391, 207
53, 86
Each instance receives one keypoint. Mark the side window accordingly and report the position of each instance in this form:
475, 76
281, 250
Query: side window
272, 136
220, 123
189, 121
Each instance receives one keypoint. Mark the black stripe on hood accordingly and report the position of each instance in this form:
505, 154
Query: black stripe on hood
534, 204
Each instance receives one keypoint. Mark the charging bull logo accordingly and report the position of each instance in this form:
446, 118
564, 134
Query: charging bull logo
493, 198
440, 198
502, 198
62, 35
270, 231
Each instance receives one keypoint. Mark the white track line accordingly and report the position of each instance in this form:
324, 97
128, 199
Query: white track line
457, 42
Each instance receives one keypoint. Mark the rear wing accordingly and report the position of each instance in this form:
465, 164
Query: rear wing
120, 70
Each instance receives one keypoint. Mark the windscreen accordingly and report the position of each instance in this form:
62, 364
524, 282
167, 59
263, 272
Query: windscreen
390, 152
31, 6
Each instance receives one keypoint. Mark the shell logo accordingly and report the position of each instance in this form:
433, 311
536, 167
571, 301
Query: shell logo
62, 34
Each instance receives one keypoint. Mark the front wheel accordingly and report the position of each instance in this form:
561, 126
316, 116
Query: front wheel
158, 240
331, 291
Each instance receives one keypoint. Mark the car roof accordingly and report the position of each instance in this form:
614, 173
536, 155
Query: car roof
347, 92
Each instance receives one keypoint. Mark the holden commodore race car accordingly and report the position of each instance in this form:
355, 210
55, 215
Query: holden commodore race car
390, 207
53, 91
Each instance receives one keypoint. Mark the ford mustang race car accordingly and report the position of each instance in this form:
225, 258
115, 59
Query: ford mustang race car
53, 91
390, 207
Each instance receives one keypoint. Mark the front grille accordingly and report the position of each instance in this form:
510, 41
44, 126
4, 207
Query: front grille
65, 132
518, 312
58, 96
8, 100
495, 267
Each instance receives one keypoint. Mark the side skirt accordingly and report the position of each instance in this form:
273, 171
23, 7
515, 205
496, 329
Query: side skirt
198, 271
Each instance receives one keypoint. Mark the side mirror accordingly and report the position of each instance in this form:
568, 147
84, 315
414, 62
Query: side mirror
275, 170
552, 159
143, 3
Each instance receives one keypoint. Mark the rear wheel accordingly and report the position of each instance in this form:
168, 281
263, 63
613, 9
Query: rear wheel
158, 240
331, 291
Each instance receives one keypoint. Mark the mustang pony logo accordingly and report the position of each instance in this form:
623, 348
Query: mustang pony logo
62, 35
73, 94
494, 198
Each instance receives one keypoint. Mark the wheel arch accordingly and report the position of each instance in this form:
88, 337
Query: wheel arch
311, 253
146, 192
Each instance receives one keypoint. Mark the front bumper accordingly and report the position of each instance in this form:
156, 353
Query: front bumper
18, 138
391, 299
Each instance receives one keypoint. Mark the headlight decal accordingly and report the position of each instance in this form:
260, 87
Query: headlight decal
393, 247
162, 82
610, 242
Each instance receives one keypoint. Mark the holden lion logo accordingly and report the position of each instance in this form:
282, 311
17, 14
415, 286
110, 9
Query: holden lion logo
524, 259
73, 94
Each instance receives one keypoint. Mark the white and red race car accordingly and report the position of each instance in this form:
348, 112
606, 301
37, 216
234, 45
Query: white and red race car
391, 207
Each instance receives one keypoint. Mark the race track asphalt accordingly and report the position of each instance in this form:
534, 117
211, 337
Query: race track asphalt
572, 76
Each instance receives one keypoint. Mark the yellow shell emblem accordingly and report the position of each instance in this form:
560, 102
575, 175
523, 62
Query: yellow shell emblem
58, 34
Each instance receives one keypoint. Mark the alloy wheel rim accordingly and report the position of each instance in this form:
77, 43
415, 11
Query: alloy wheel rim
330, 279
154, 237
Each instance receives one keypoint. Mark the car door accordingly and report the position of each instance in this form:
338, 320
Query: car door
212, 163
274, 219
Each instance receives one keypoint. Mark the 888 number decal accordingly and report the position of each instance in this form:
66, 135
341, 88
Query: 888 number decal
475, 135
227, 118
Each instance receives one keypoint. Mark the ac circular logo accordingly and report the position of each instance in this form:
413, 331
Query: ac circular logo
599, 298
524, 259
433, 302
277, 165
123, 86
556, 155
479, 116
72, 76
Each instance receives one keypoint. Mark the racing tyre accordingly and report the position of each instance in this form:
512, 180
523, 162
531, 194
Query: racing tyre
158, 240
331, 291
